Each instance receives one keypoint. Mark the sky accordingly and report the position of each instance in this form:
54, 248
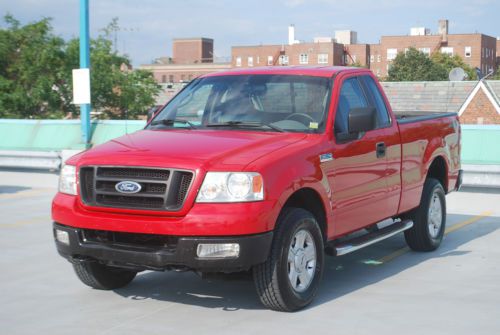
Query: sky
148, 26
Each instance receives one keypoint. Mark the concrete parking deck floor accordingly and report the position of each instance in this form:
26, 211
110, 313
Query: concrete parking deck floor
384, 289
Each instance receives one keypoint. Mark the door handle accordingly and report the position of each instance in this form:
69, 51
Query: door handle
380, 149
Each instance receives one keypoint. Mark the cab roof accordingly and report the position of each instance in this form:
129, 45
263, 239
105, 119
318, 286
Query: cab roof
318, 71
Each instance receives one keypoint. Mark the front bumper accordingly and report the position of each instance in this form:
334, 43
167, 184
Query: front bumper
179, 252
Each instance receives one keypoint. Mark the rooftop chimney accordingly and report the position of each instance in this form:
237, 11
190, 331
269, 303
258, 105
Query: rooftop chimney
443, 30
291, 34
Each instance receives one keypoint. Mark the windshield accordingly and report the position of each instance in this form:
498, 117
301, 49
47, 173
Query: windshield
268, 102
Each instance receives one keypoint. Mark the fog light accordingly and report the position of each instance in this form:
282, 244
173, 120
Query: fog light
62, 236
218, 250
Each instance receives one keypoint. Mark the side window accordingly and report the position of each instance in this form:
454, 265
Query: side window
383, 118
351, 96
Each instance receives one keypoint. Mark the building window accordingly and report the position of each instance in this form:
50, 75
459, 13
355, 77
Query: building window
391, 54
190, 77
378, 58
171, 78
426, 51
284, 60
183, 77
378, 72
303, 59
250, 61
406, 51
269, 60
238, 61
447, 50
164, 78
322, 58
372, 58
468, 51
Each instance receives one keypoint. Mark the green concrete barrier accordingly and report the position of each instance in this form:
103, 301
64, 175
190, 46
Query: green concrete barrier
56, 135
480, 143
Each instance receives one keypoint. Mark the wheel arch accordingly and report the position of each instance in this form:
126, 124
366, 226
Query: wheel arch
438, 170
309, 199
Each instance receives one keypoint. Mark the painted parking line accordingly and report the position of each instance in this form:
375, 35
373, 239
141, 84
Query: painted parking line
448, 230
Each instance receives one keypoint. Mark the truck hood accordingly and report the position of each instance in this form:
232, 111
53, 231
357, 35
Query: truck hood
188, 149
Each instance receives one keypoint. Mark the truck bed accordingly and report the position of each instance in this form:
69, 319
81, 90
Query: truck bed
424, 136
403, 117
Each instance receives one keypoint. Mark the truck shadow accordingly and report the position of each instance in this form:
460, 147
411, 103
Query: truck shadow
342, 275
7, 189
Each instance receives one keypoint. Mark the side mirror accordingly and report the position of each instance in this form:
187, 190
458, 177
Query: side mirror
361, 120
151, 113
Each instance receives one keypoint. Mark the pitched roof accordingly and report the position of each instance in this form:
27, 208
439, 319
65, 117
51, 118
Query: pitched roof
428, 96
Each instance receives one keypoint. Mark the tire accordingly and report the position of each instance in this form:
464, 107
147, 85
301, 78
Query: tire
102, 277
429, 218
297, 256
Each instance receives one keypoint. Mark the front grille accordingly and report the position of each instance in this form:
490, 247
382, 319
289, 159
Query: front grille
161, 189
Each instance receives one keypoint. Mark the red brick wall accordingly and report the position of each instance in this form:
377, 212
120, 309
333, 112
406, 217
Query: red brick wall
260, 53
478, 43
480, 111
190, 51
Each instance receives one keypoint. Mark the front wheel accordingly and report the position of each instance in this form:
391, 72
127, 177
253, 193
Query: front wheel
290, 277
429, 219
102, 277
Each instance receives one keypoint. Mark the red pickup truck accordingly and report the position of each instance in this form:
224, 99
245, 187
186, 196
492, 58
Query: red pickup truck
264, 169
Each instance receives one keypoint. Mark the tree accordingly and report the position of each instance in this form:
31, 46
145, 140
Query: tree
30, 76
496, 76
36, 74
449, 62
414, 65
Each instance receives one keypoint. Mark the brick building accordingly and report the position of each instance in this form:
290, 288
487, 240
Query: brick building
191, 58
321, 53
193, 50
477, 50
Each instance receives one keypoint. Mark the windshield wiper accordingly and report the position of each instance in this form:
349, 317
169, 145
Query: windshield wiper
246, 124
170, 122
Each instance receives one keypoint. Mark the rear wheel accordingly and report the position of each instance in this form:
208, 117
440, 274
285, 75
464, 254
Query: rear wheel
429, 219
102, 277
289, 279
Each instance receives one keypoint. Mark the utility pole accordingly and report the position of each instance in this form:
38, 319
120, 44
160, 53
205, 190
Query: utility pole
85, 64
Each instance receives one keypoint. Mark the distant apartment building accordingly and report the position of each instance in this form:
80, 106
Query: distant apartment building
498, 52
323, 51
477, 50
191, 58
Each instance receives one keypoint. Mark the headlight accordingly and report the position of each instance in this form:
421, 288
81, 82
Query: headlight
67, 180
231, 187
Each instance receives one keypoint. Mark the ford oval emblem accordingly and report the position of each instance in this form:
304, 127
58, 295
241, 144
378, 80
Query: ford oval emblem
127, 186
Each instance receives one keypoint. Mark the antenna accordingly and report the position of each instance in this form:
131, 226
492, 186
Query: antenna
457, 74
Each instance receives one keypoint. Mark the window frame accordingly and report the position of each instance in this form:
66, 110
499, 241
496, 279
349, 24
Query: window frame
303, 58
323, 58
372, 99
344, 80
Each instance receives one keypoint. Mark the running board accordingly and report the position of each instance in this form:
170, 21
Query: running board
360, 242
